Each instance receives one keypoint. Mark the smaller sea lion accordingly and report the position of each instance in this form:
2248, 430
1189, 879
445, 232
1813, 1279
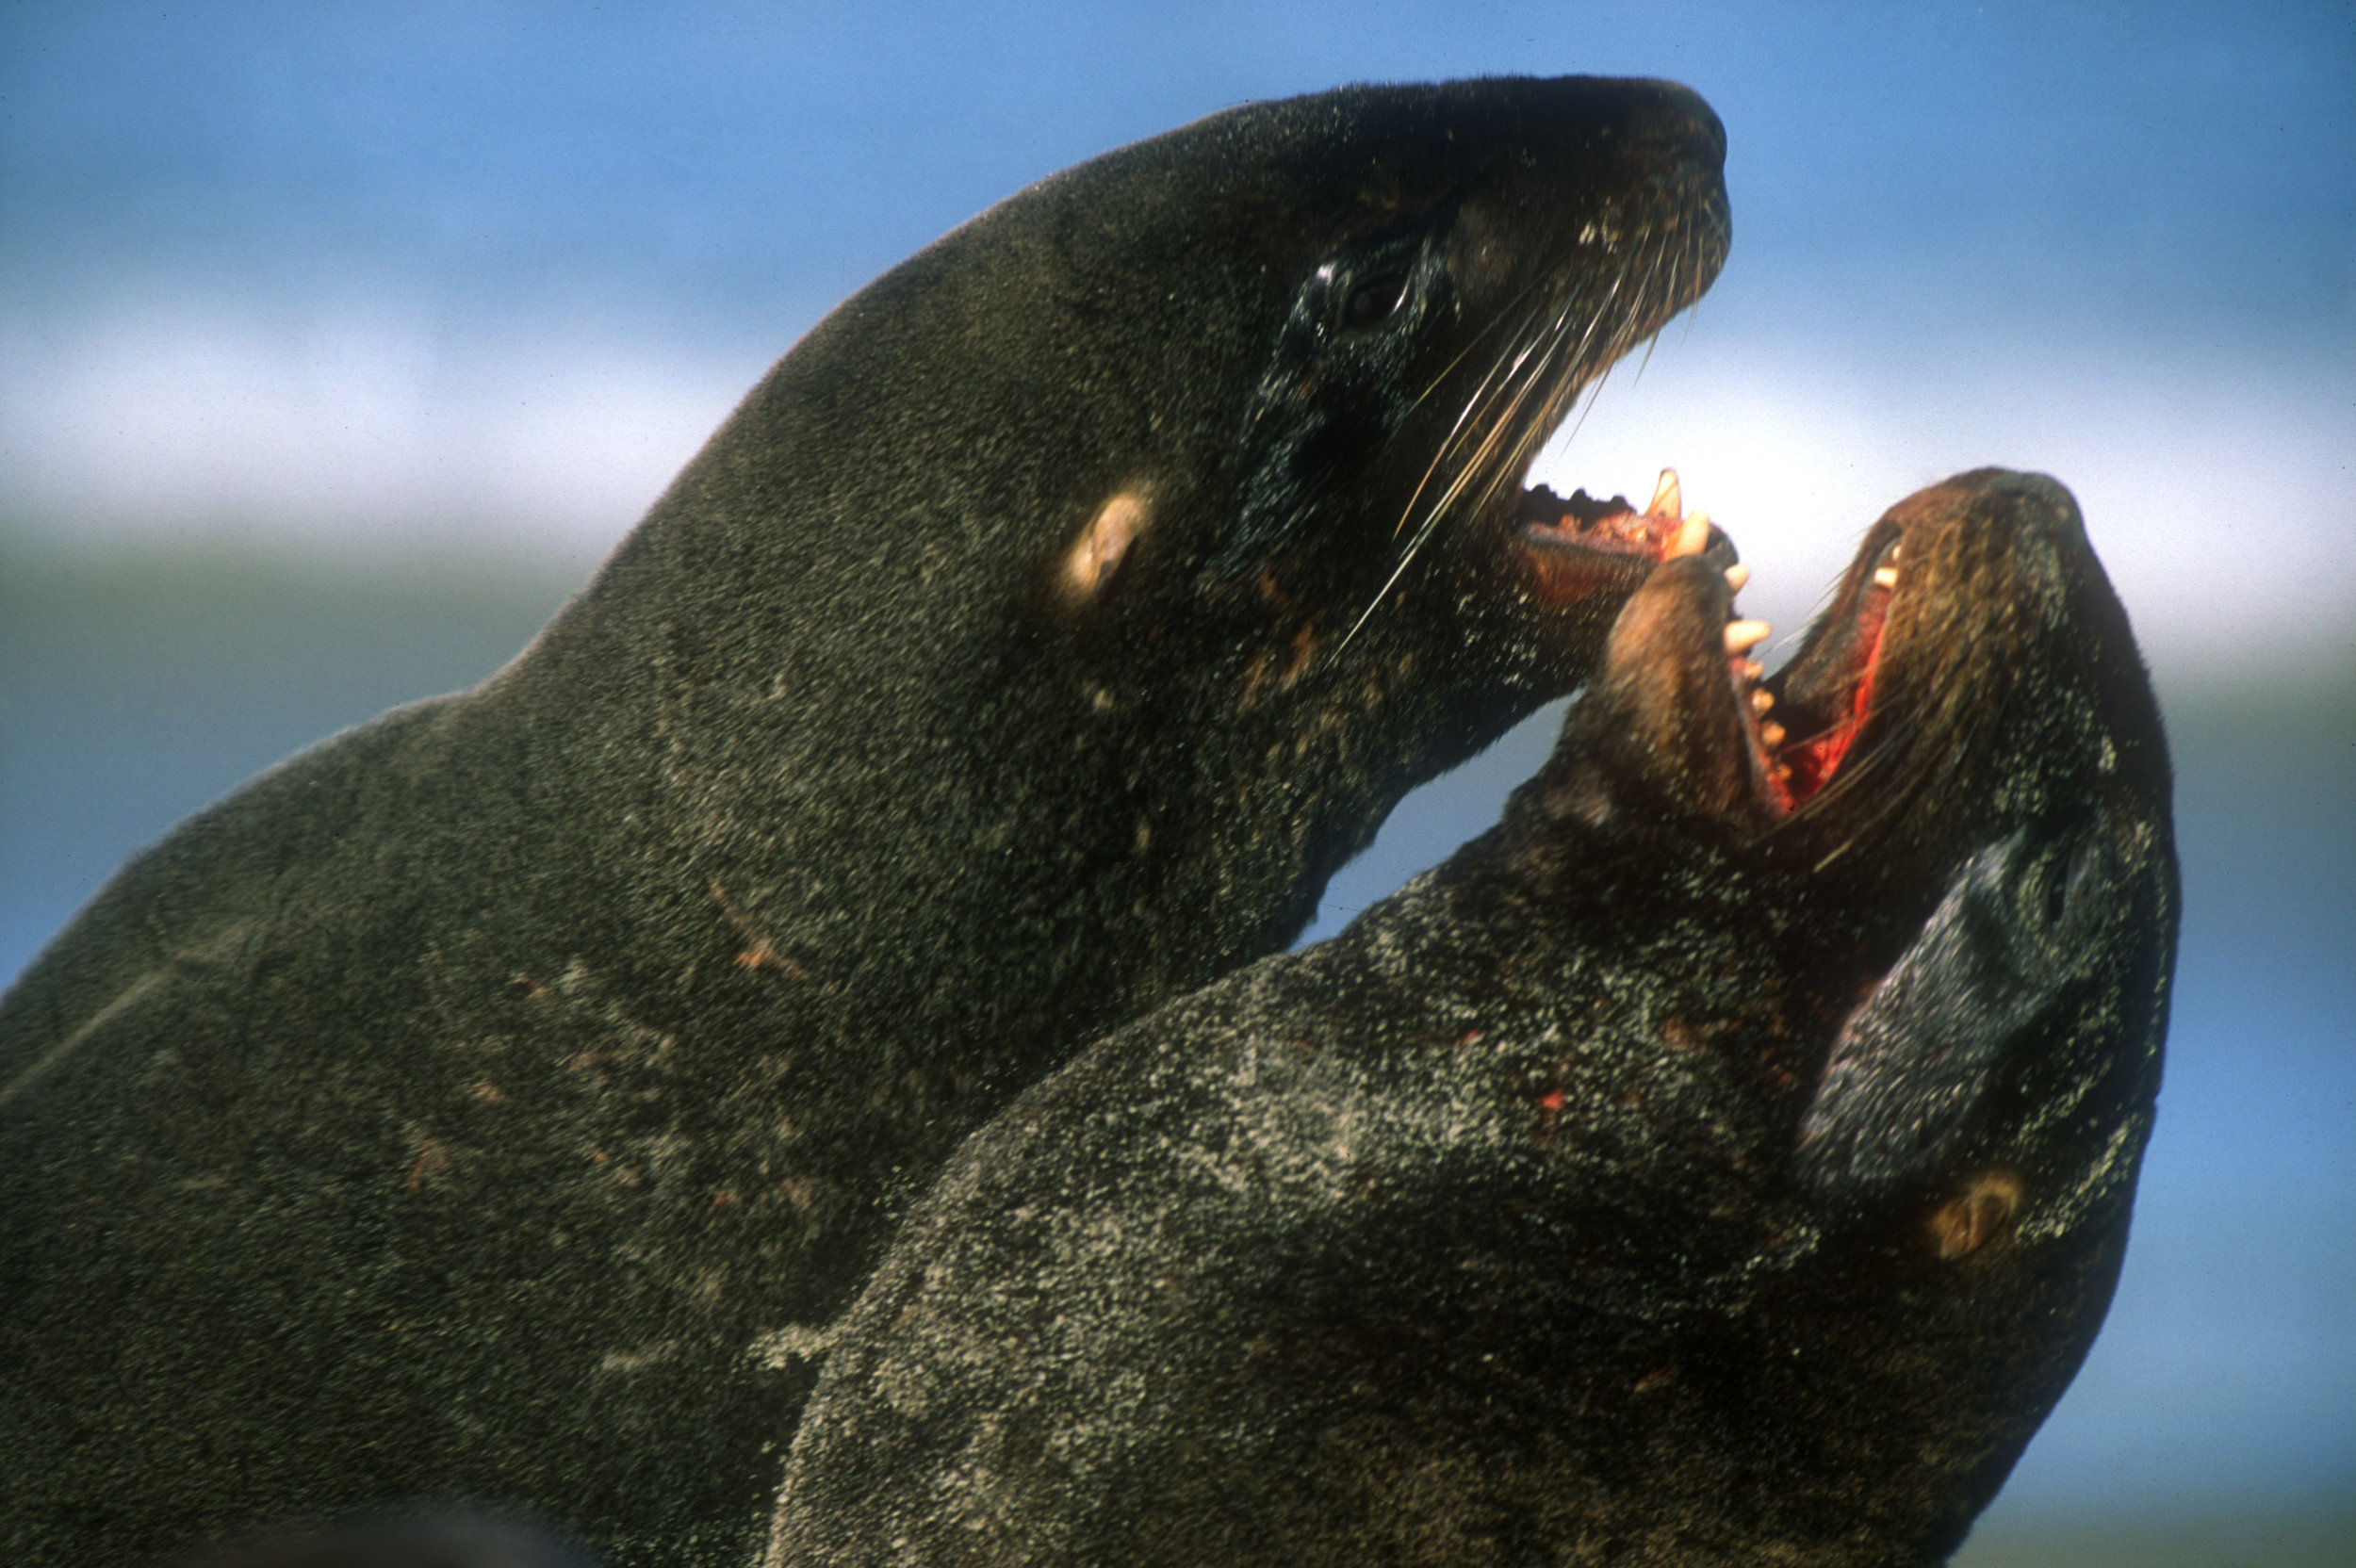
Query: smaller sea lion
1727, 1159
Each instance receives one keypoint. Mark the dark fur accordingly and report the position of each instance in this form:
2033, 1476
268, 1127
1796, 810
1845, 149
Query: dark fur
422, 1541
1661, 1180
502, 1099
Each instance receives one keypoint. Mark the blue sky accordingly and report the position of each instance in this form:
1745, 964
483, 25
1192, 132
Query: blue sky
369, 272
380, 279
2157, 164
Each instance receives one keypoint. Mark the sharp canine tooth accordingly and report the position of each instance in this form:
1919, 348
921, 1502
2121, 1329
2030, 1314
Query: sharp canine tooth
1737, 575
1771, 733
1753, 669
1664, 501
1742, 636
1886, 576
1692, 535
1761, 701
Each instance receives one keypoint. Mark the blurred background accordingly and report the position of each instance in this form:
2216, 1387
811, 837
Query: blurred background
339, 342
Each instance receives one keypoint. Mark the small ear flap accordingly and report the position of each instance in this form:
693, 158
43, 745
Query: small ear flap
1913, 1063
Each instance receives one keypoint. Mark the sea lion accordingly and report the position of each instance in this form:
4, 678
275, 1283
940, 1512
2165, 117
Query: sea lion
1725, 1160
500, 1101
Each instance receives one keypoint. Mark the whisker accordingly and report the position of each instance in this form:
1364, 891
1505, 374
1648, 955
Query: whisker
1499, 430
1508, 361
1476, 468
1497, 322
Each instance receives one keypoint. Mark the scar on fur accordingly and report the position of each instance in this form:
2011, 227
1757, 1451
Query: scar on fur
1091, 562
430, 1162
1964, 1225
1304, 647
760, 954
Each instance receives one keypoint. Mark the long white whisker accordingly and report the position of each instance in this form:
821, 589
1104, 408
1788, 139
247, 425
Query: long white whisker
1507, 364
1553, 361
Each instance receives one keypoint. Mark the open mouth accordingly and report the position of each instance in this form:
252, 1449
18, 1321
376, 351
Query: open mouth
1821, 701
1577, 546
1804, 722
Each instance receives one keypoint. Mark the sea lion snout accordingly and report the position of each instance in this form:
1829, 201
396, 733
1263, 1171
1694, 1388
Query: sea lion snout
1661, 730
1656, 147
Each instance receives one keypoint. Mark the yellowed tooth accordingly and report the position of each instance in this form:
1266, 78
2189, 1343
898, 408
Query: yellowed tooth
1886, 576
1664, 502
1761, 701
1742, 636
1737, 575
1692, 535
1753, 669
1771, 733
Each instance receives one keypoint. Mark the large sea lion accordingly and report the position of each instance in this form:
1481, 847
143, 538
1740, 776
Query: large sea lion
1726, 1160
500, 1101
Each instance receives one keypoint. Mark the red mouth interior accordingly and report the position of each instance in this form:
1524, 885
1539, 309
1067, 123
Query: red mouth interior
1580, 519
1578, 545
1799, 768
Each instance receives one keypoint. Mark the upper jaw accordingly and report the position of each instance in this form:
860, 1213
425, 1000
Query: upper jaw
1568, 548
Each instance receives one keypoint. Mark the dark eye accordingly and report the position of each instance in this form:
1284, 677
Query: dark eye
1375, 300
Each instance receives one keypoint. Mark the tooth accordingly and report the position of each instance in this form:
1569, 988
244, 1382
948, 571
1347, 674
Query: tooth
1893, 552
1737, 575
1692, 535
1753, 669
1742, 636
1761, 701
1771, 734
1886, 576
1664, 501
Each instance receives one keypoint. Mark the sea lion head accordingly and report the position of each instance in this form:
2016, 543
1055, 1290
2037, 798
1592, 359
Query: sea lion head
1946, 823
1959, 788
1196, 471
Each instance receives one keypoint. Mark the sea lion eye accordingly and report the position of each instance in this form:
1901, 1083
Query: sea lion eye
1374, 301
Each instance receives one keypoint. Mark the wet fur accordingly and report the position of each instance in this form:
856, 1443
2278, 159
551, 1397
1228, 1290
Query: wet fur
1664, 1180
501, 1100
